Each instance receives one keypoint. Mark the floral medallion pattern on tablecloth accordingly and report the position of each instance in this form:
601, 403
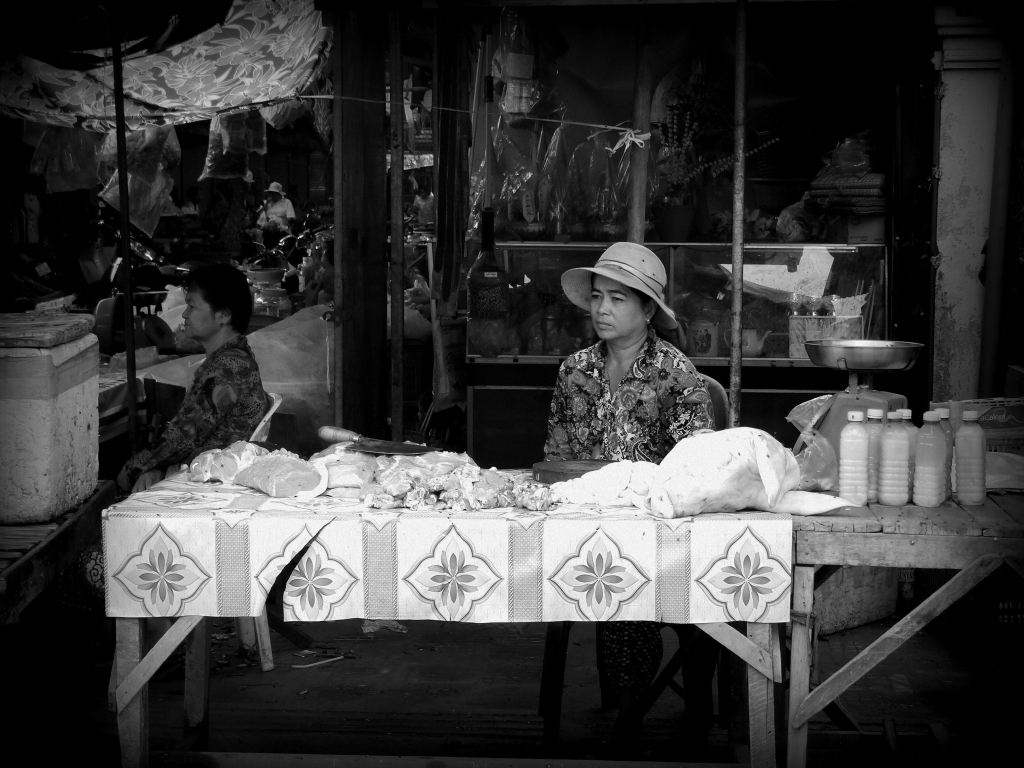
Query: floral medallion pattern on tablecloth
318, 585
747, 579
267, 573
161, 575
599, 578
452, 578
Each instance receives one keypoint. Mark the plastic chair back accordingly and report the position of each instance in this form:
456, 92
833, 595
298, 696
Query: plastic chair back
262, 431
719, 400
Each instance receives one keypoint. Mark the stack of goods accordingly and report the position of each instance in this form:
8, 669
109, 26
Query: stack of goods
433, 481
851, 194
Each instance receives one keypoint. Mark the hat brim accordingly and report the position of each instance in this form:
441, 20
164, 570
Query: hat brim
578, 284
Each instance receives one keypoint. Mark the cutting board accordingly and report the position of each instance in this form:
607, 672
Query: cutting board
42, 330
559, 471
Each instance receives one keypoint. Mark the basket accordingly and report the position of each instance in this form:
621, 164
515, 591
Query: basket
1002, 418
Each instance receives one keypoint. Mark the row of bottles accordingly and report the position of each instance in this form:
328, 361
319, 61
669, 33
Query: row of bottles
895, 462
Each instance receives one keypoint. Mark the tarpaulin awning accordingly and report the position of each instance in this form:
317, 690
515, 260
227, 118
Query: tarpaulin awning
265, 51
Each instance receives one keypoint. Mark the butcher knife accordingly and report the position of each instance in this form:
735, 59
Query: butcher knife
357, 442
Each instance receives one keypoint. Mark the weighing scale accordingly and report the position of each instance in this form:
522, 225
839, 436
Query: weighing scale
859, 358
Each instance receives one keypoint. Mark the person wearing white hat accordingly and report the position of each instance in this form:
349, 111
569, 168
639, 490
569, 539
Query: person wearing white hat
632, 396
277, 213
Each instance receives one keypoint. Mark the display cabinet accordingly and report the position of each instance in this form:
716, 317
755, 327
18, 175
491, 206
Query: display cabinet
792, 293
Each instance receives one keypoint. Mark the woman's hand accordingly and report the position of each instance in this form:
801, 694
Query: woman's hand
147, 480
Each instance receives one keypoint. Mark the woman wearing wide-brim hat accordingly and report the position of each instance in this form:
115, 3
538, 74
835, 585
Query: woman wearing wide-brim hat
632, 396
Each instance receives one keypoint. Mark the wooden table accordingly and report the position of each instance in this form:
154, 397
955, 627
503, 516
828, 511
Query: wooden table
192, 551
32, 556
974, 540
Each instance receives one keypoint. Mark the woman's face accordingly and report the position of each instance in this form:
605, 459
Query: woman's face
202, 322
617, 311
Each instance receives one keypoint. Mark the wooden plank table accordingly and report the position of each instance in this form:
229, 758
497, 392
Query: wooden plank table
32, 556
974, 540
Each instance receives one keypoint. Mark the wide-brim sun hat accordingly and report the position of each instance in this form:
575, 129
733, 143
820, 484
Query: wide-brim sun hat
275, 186
630, 264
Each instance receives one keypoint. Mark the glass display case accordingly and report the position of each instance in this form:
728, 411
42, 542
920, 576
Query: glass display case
792, 293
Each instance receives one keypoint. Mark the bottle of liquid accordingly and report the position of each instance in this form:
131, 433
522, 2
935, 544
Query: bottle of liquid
853, 459
894, 463
912, 430
874, 427
950, 435
930, 457
970, 461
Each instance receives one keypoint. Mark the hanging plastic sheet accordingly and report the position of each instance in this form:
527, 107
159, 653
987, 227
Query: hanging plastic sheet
69, 159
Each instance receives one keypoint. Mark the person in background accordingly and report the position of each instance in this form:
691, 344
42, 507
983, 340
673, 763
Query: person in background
631, 397
276, 216
227, 219
225, 400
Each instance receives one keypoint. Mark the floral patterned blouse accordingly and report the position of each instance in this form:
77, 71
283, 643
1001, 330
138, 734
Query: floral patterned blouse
224, 403
660, 400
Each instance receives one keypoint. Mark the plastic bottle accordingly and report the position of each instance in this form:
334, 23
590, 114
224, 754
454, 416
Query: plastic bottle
950, 435
930, 457
853, 459
912, 430
874, 427
970, 461
894, 463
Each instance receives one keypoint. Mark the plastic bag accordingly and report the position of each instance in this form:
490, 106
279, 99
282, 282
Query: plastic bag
853, 154
223, 161
69, 159
797, 224
819, 465
149, 150
808, 413
553, 184
145, 200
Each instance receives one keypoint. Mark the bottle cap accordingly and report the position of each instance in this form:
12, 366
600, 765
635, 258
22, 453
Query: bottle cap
931, 416
855, 416
943, 412
875, 413
906, 413
896, 415
971, 415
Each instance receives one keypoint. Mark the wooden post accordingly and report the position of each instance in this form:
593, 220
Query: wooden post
641, 124
360, 238
197, 686
800, 662
738, 179
126, 251
397, 232
761, 703
133, 720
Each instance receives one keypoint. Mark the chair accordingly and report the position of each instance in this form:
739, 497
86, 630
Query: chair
556, 644
109, 325
255, 630
262, 431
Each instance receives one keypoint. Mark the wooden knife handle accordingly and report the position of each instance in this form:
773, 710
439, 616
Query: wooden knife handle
337, 435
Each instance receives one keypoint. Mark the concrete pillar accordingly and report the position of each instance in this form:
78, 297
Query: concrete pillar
969, 87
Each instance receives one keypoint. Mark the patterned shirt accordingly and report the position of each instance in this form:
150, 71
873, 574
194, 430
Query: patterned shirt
660, 400
224, 403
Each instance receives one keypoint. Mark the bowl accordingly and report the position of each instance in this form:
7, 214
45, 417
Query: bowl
260, 276
863, 355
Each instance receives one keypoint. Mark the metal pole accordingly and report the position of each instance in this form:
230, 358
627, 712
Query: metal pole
126, 253
339, 228
738, 179
641, 124
397, 233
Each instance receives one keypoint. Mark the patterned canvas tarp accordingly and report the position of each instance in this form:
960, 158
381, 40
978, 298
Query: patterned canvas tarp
266, 50
184, 548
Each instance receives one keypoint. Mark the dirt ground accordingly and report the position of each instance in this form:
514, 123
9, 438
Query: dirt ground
471, 690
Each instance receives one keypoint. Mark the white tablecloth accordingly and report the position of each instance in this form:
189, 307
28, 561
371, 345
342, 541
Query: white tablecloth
185, 548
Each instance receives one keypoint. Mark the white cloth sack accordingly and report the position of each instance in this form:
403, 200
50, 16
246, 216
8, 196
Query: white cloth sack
728, 471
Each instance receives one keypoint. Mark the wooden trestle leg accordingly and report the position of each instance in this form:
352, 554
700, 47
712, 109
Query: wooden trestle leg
800, 662
133, 720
